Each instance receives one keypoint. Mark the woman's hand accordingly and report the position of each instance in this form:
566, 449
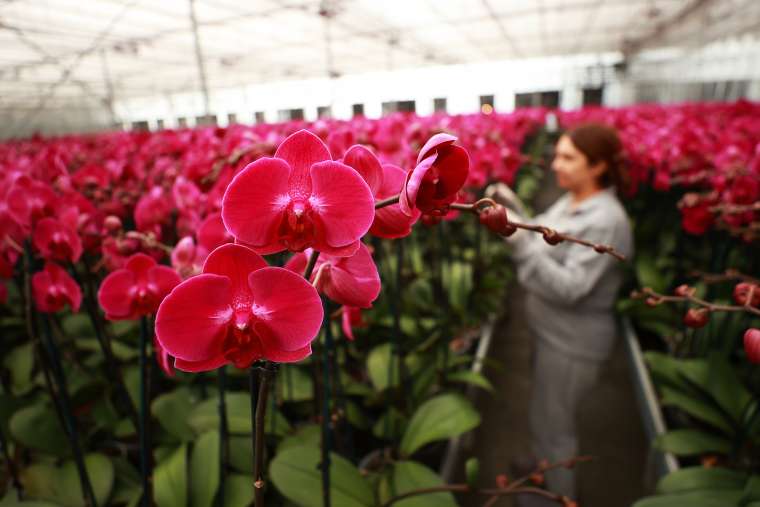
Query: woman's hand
504, 195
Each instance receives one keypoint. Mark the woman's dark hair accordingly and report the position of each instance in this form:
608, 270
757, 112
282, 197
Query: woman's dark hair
601, 143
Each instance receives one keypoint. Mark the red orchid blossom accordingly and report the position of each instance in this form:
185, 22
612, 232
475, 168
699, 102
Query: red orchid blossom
57, 241
442, 169
299, 199
237, 311
351, 281
53, 288
137, 289
384, 180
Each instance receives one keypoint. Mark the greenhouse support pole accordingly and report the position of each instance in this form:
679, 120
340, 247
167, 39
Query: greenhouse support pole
199, 59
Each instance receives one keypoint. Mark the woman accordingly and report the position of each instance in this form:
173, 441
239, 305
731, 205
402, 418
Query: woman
571, 289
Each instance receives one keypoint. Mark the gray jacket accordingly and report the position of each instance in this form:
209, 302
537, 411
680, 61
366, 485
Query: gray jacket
571, 288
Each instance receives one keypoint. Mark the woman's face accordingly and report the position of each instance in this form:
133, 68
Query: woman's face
572, 169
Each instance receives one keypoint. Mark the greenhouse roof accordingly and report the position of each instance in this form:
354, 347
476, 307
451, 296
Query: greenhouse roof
53, 51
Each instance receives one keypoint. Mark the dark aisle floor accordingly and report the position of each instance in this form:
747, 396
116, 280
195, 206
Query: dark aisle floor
610, 427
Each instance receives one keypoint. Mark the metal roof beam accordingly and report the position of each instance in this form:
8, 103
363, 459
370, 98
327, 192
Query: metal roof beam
661, 30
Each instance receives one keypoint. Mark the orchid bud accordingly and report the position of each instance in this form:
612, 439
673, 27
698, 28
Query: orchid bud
537, 478
747, 294
502, 481
752, 345
696, 317
652, 301
684, 291
552, 237
112, 223
495, 218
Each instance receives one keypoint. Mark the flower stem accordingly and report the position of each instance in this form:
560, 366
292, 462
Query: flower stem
223, 432
105, 343
387, 202
310, 266
70, 423
327, 350
144, 414
56, 383
266, 374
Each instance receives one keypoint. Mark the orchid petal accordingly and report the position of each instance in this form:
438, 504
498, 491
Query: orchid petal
289, 307
343, 202
192, 320
253, 203
301, 150
367, 165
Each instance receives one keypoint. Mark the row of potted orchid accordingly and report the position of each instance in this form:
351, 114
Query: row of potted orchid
97, 221
696, 172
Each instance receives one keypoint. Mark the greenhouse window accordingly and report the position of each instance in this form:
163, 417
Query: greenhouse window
259, 117
324, 112
205, 120
407, 106
439, 105
593, 96
357, 109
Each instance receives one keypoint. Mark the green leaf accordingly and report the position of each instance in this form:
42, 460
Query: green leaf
204, 470
296, 475
12, 502
62, 484
294, 384
391, 422
38, 481
689, 442
170, 480
699, 478
698, 408
752, 490
37, 427
648, 274
718, 379
68, 486
472, 471
458, 280
665, 369
173, 411
306, 436
77, 325
355, 416
727, 498
439, 418
20, 362
408, 476
470, 377
378, 362
238, 491
205, 416
241, 454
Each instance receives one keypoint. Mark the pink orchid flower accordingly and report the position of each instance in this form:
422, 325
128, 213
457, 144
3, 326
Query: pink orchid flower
53, 288
442, 169
237, 311
352, 281
299, 199
137, 289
